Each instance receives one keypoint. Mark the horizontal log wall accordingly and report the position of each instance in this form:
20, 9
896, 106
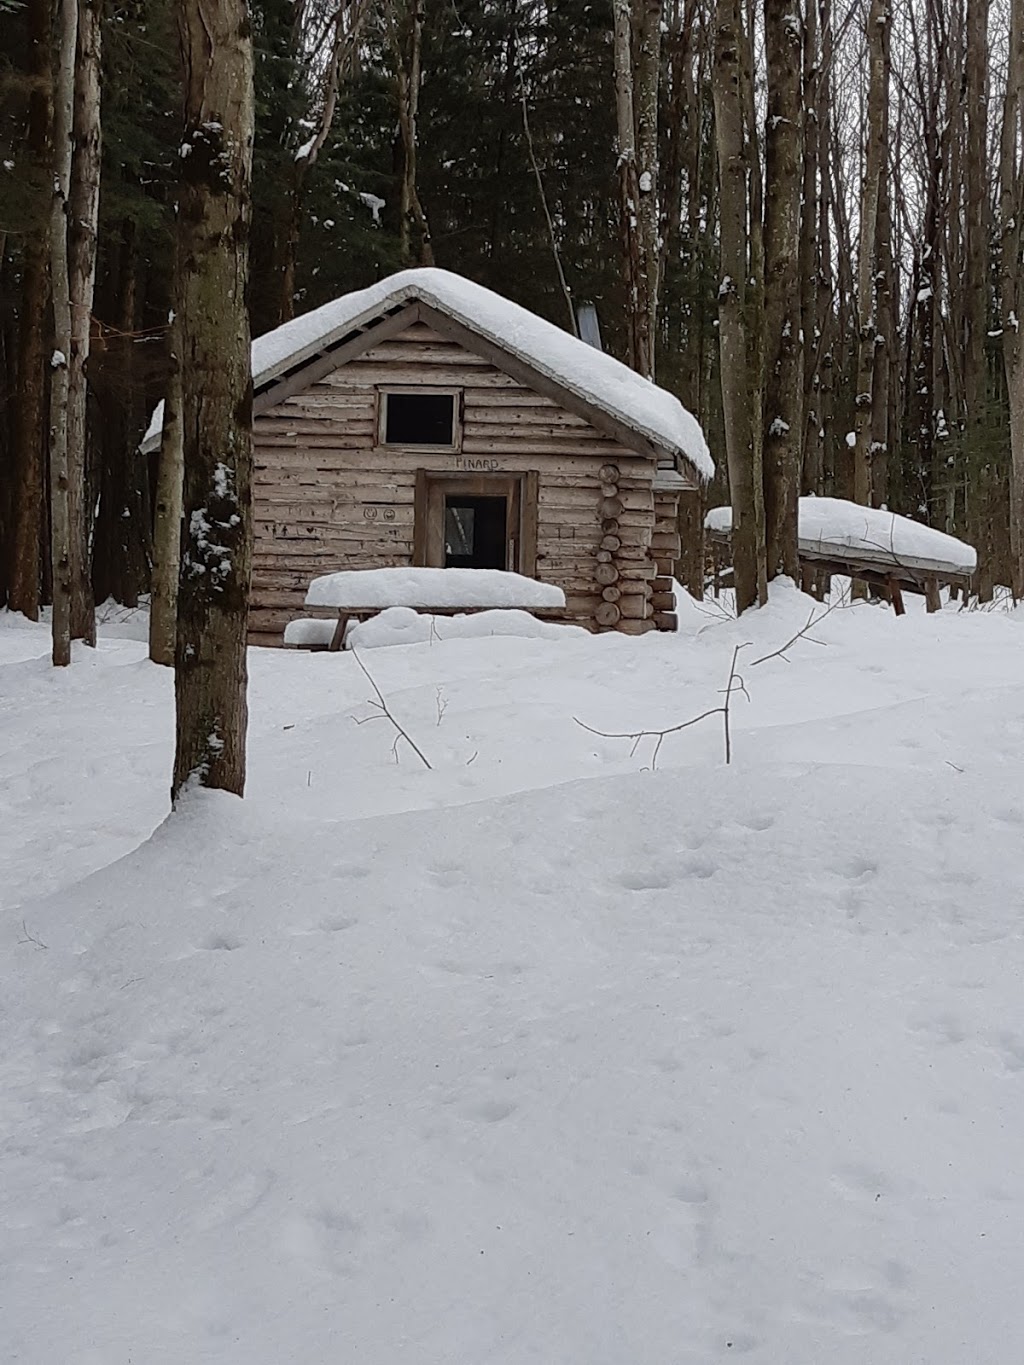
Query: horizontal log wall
327, 496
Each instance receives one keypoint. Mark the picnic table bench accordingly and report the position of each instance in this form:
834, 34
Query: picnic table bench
879, 547
338, 599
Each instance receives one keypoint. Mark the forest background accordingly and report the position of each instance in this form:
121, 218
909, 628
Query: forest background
803, 218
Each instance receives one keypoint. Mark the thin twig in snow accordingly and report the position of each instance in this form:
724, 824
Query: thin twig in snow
733, 684
801, 634
28, 937
385, 711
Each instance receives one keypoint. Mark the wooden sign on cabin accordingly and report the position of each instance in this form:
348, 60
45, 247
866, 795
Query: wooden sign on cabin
428, 421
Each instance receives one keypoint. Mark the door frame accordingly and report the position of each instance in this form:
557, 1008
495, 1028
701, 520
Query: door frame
520, 493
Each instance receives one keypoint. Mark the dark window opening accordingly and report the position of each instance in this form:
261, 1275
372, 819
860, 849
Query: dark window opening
419, 419
475, 532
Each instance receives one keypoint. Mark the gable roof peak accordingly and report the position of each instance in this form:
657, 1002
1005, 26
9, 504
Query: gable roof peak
591, 375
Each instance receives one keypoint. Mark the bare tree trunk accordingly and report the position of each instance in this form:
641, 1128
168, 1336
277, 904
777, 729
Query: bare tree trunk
121, 545
821, 442
977, 216
163, 605
66, 23
326, 70
923, 357
563, 283
84, 216
213, 251
636, 116
412, 219
1011, 208
30, 420
646, 92
882, 386
809, 266
739, 382
867, 262
783, 394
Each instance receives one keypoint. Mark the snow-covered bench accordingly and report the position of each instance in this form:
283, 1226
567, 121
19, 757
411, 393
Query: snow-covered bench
839, 537
357, 594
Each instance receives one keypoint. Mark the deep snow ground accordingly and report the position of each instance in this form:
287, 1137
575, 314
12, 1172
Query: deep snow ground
534, 1057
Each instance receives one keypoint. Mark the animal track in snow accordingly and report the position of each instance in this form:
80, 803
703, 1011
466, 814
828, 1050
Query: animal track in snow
940, 1028
221, 942
334, 924
690, 1192
490, 1111
860, 1182
1011, 1047
661, 878
856, 869
643, 879
237, 1200
758, 823
356, 872
447, 874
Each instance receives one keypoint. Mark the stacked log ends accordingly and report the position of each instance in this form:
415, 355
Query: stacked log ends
624, 570
608, 613
666, 548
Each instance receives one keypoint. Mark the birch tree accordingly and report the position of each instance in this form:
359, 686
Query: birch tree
214, 211
405, 30
636, 109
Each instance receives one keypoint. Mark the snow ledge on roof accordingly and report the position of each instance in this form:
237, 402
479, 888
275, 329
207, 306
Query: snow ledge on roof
590, 374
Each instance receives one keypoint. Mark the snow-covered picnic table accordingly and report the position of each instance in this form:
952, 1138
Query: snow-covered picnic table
356, 594
835, 536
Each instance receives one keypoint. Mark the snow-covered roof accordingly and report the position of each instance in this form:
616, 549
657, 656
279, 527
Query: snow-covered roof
835, 525
597, 378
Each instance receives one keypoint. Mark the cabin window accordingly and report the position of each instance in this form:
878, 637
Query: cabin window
419, 418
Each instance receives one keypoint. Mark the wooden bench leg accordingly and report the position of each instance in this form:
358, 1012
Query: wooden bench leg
896, 597
932, 595
338, 638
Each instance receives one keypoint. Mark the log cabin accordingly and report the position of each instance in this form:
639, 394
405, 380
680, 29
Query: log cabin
429, 421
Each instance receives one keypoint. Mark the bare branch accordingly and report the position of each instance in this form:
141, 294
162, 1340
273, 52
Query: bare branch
552, 235
385, 711
28, 937
734, 683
